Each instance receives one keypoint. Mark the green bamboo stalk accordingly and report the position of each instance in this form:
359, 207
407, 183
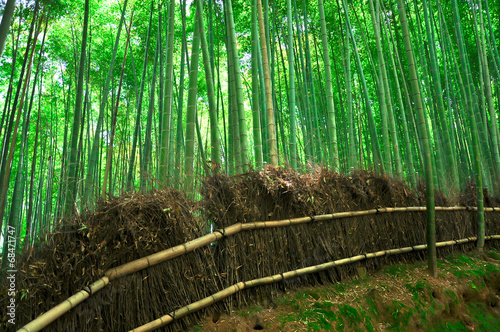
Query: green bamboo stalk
179, 138
431, 220
271, 131
351, 156
377, 155
168, 102
257, 134
472, 118
493, 127
21, 92
450, 157
191, 111
309, 147
114, 115
148, 148
411, 176
321, 154
291, 89
239, 89
382, 76
212, 107
77, 116
493, 45
235, 166
331, 125
8, 13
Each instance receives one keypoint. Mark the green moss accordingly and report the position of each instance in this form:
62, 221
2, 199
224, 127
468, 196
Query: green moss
372, 306
418, 289
485, 320
396, 270
401, 315
451, 326
249, 312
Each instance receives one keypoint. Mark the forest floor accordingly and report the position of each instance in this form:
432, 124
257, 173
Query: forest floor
403, 297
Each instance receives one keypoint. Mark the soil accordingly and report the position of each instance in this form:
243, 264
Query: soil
464, 297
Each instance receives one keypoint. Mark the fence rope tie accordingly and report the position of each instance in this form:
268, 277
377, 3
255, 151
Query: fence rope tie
88, 290
378, 211
312, 218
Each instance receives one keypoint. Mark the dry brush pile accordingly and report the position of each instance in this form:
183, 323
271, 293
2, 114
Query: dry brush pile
135, 225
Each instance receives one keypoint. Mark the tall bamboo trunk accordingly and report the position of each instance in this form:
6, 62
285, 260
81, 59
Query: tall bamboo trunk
431, 220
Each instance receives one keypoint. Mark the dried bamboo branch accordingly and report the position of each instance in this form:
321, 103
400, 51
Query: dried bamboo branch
198, 305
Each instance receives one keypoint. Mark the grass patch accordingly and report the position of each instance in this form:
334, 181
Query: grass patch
451, 326
418, 289
249, 312
486, 321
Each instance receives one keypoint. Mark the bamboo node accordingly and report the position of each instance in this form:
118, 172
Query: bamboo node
88, 290
378, 211
221, 232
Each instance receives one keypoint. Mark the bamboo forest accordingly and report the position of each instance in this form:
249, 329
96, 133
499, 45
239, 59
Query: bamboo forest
102, 101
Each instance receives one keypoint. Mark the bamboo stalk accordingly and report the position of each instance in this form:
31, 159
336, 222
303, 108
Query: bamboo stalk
45, 319
198, 305
167, 254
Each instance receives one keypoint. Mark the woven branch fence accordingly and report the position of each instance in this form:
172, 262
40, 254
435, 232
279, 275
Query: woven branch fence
227, 232
236, 288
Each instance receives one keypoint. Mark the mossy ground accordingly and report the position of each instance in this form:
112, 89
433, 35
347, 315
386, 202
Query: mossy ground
464, 297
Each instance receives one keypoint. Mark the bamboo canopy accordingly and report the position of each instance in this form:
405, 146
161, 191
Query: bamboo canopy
168, 254
167, 319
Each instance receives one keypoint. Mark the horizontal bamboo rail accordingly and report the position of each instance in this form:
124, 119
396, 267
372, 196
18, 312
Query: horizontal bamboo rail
142, 263
198, 305
205, 240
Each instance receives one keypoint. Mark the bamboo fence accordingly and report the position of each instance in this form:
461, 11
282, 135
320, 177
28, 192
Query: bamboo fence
167, 254
198, 305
